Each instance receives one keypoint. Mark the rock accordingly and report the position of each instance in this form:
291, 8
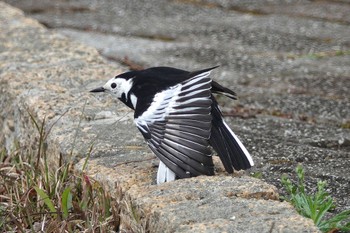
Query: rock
201, 204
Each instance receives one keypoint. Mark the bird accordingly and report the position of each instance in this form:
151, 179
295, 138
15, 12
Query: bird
179, 117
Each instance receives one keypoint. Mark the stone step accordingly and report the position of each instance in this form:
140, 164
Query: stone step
49, 76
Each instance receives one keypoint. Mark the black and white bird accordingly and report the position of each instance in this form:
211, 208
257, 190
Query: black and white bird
180, 119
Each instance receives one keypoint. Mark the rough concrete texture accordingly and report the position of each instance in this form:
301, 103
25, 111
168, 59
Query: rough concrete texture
48, 76
202, 204
288, 61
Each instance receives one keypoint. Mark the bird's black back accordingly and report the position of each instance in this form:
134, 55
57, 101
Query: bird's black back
147, 83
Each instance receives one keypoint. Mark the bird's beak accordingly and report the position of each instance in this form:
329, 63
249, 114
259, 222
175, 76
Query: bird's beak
99, 89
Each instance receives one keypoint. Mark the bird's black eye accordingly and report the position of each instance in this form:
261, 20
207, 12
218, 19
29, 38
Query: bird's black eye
113, 85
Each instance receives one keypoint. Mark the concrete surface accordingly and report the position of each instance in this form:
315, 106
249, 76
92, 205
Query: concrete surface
48, 75
288, 61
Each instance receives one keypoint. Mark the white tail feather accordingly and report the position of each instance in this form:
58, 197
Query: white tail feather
245, 151
164, 174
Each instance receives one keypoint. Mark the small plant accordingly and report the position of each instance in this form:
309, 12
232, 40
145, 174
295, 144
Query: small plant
315, 206
257, 175
35, 197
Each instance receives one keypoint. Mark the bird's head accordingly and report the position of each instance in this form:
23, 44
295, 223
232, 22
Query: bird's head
117, 86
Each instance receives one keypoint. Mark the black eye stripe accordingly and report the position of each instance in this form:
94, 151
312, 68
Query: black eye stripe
113, 85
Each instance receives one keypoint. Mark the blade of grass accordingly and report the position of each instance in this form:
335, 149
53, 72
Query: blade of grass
46, 200
77, 130
66, 202
87, 157
314, 206
40, 130
334, 222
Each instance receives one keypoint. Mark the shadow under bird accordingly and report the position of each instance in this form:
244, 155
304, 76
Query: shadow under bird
180, 119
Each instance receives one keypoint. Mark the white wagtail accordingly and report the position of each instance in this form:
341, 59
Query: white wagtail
180, 119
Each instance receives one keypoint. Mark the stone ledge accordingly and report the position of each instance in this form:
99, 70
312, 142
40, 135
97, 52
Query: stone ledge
49, 76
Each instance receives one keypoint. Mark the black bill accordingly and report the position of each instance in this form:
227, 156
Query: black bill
99, 89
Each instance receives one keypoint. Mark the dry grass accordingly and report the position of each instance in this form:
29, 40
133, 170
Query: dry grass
35, 197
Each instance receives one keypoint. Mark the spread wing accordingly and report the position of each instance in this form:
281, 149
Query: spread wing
177, 126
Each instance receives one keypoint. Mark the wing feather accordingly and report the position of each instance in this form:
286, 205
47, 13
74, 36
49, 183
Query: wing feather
199, 117
186, 163
168, 162
190, 122
186, 135
194, 110
190, 144
177, 127
191, 130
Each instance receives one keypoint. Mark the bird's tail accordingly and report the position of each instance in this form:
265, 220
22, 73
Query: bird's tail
230, 149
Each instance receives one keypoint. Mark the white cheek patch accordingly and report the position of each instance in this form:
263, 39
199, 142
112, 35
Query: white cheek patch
133, 100
122, 87
125, 85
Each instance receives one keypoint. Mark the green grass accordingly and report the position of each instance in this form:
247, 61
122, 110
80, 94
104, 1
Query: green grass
316, 205
37, 197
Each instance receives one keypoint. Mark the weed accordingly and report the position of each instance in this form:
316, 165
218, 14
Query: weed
35, 197
315, 206
257, 175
